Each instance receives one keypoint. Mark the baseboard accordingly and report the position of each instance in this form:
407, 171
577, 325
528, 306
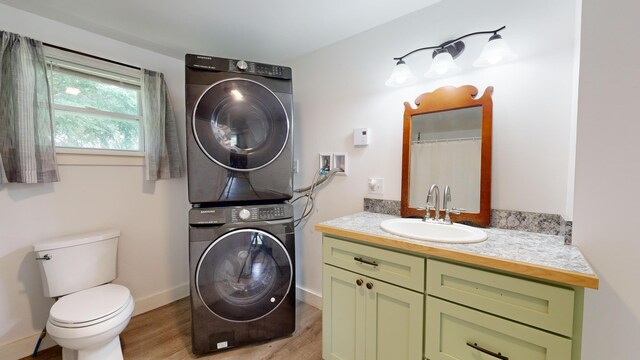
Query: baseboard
161, 298
309, 297
24, 347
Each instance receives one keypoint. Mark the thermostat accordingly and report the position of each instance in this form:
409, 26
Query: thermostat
361, 136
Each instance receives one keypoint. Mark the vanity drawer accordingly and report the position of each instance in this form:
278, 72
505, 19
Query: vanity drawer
390, 266
454, 332
541, 305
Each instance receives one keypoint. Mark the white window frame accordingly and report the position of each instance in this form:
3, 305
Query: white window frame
80, 156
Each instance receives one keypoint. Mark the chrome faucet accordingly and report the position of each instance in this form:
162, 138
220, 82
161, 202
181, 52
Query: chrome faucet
446, 199
433, 200
445, 205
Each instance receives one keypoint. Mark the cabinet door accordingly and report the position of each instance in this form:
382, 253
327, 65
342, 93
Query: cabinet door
455, 332
393, 322
343, 314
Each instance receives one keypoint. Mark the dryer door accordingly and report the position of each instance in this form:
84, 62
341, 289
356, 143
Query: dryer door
244, 275
240, 124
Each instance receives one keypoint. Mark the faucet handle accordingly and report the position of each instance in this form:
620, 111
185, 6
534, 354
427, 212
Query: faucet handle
447, 211
427, 214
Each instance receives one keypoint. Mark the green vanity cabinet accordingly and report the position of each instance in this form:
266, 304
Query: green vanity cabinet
380, 303
365, 317
455, 332
478, 314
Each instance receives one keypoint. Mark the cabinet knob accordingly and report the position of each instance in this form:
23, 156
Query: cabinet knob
369, 286
359, 282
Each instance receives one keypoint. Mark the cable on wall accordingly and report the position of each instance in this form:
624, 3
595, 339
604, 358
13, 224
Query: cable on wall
320, 177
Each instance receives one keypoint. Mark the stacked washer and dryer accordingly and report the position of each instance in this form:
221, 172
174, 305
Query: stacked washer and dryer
241, 229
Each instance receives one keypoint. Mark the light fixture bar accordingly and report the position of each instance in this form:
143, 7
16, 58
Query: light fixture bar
449, 42
494, 52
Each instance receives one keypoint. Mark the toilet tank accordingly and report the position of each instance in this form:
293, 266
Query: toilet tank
77, 262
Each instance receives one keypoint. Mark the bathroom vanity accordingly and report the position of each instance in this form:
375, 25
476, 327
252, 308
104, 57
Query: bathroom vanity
517, 295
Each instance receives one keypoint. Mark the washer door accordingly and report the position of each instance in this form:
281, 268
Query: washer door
244, 275
240, 124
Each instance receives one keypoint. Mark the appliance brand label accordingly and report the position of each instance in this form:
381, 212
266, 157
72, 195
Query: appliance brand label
222, 345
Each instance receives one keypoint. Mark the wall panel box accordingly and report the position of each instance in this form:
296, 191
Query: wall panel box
340, 163
361, 136
326, 161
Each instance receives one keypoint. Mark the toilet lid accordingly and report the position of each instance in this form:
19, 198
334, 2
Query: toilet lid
90, 306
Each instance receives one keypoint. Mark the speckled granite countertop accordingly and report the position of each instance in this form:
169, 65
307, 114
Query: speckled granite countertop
536, 255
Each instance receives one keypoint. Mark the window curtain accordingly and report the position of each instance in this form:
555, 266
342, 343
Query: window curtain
454, 163
163, 160
27, 153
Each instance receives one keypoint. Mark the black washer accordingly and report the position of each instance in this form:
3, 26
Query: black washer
244, 275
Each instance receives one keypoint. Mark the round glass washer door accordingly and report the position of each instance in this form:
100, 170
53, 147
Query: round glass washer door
240, 124
244, 275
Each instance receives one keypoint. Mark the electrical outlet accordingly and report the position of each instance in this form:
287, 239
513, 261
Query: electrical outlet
296, 166
376, 186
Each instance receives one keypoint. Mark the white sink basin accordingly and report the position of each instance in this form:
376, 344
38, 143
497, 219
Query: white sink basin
431, 231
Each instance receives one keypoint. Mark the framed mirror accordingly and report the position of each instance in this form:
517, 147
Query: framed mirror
447, 141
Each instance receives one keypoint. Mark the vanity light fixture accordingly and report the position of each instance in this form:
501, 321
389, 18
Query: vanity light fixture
495, 51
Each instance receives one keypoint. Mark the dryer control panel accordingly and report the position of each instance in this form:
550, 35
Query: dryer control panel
212, 63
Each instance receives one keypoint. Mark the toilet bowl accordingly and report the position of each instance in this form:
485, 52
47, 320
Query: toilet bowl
87, 324
90, 313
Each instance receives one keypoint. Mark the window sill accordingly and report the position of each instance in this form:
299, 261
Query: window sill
77, 157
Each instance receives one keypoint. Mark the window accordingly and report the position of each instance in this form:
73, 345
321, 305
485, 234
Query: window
96, 104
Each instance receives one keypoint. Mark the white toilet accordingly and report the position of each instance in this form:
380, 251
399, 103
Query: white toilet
90, 313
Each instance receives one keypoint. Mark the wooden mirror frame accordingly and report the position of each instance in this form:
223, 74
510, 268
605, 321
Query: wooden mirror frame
442, 99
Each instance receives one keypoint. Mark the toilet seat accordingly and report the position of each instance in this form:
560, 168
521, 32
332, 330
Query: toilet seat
90, 307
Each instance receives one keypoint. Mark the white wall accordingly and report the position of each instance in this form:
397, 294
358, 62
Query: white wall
153, 247
336, 89
341, 87
607, 187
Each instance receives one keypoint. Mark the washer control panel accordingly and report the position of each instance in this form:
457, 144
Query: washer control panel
206, 216
240, 214
202, 216
275, 212
261, 212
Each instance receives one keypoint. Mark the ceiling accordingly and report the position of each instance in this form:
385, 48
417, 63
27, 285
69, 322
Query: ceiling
259, 30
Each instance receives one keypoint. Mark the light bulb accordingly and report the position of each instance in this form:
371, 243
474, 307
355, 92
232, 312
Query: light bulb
401, 76
494, 52
442, 65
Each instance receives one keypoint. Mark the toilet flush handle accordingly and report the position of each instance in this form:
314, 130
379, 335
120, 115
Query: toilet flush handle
45, 257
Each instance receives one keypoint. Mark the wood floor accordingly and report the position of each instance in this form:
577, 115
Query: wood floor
165, 333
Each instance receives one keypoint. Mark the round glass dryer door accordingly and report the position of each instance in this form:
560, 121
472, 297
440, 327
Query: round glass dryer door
240, 124
244, 275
